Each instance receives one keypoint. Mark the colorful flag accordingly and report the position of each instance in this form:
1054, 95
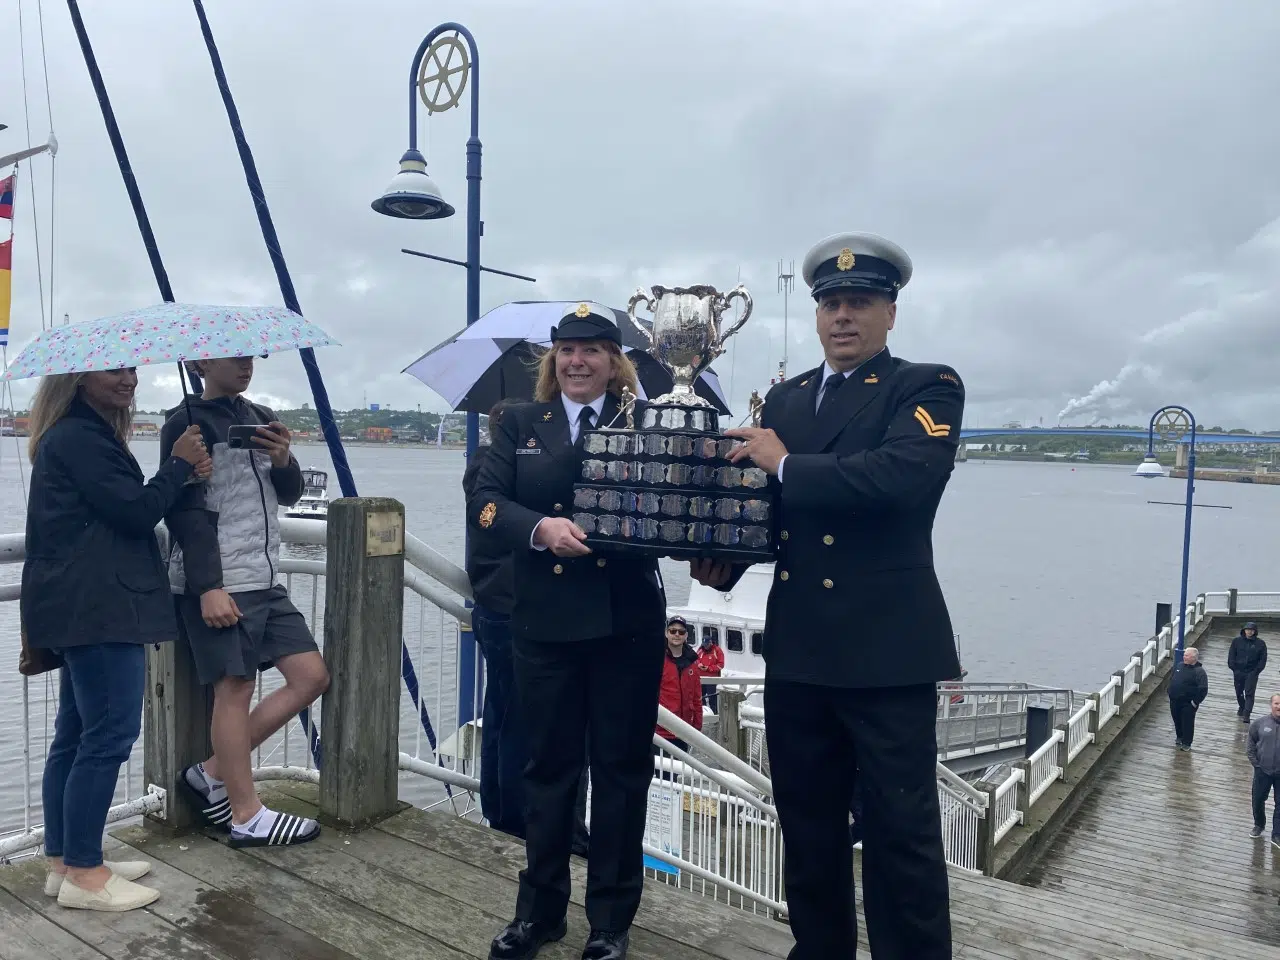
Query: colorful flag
6, 272
6, 198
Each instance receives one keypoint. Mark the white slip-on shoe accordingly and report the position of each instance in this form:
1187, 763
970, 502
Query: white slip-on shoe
125, 870
117, 896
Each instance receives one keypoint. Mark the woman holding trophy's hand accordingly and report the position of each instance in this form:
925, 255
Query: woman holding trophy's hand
587, 643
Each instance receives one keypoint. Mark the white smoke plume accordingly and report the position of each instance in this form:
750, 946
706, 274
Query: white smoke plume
1108, 392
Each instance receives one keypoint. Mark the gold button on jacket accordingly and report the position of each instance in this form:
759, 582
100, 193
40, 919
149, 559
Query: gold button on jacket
828, 584
828, 539
557, 569
600, 562
784, 575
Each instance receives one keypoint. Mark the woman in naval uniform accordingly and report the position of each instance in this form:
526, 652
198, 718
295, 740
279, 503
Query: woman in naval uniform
587, 644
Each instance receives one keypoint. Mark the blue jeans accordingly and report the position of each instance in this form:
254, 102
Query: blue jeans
99, 719
503, 749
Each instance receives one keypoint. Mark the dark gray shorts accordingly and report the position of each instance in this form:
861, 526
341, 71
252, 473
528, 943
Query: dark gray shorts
270, 629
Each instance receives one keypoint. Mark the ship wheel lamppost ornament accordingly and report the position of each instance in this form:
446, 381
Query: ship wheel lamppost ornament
1176, 424
441, 83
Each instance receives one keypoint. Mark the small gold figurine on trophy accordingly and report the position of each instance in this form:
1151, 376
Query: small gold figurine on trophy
627, 407
756, 407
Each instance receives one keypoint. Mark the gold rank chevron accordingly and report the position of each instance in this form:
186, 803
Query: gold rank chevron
931, 428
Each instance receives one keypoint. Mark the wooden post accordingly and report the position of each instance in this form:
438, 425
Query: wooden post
1120, 688
364, 614
1022, 798
1232, 596
1095, 715
176, 715
987, 834
1064, 748
728, 730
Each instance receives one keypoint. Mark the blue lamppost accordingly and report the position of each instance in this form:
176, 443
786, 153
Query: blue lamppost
1176, 423
412, 195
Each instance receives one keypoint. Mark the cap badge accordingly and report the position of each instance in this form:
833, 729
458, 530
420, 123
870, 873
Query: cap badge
845, 260
583, 310
487, 514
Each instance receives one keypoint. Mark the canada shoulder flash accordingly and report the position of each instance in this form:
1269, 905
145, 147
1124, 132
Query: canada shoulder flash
583, 310
487, 513
845, 260
946, 375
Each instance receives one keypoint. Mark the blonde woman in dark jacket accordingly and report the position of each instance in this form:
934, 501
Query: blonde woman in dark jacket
94, 593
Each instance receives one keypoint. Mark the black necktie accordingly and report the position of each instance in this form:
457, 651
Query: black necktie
829, 387
585, 417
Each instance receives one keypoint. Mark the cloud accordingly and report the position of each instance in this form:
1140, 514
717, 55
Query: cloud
1085, 189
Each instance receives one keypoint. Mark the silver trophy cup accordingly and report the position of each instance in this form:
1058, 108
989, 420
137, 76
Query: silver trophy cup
687, 336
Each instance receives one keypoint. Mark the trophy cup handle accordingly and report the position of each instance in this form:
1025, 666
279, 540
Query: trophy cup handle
741, 293
636, 298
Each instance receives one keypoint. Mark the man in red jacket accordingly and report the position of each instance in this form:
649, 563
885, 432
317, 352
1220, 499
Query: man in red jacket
681, 690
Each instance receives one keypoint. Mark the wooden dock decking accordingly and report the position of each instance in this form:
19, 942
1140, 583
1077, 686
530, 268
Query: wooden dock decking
428, 885
1165, 834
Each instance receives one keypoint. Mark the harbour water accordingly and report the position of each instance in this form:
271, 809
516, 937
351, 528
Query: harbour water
1051, 571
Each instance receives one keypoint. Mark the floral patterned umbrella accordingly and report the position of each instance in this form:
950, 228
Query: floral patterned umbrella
165, 333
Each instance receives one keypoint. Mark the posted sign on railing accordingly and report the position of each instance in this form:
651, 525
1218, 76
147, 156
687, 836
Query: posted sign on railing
664, 824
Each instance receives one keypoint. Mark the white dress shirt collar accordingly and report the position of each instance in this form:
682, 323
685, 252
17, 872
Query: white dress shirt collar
573, 410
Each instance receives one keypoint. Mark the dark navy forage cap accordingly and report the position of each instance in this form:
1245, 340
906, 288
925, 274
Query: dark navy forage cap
587, 321
856, 261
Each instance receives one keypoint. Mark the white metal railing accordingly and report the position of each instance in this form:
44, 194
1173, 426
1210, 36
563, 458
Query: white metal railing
432, 618
1108, 701
1042, 767
1004, 812
1078, 733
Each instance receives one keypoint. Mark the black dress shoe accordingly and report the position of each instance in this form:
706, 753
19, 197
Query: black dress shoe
602, 945
521, 940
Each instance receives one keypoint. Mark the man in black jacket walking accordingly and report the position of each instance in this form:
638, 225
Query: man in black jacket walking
1187, 689
1246, 660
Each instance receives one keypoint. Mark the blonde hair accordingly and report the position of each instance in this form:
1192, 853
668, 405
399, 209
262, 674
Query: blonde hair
52, 401
623, 374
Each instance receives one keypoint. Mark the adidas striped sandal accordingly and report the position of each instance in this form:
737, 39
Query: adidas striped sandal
213, 805
286, 829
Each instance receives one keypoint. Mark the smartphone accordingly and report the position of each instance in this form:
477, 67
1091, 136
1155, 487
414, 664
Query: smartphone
240, 436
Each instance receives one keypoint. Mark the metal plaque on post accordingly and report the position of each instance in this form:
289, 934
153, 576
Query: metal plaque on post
665, 486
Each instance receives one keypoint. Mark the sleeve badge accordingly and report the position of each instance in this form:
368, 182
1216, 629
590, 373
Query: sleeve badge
489, 511
930, 427
945, 375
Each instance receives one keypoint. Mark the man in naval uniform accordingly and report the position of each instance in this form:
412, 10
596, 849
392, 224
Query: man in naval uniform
857, 632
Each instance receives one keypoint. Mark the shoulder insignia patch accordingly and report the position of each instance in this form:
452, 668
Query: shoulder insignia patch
487, 513
804, 383
931, 428
872, 379
949, 376
546, 416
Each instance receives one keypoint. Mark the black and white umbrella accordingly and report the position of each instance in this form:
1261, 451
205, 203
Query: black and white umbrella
494, 358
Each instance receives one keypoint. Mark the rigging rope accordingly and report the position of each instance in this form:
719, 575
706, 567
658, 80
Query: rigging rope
31, 174
318, 391
53, 164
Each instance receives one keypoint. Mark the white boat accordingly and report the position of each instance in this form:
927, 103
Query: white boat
314, 504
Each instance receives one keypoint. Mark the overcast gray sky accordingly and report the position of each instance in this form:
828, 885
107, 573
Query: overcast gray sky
1090, 191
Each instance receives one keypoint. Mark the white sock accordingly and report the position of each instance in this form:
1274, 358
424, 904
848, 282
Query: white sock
214, 790
262, 823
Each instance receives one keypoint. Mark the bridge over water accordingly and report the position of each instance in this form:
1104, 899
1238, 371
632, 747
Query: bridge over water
968, 433
1122, 846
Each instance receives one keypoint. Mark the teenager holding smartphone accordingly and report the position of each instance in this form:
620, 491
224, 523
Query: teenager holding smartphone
223, 565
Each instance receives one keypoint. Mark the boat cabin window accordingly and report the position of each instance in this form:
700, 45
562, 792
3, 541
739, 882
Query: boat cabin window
757, 644
735, 641
712, 634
